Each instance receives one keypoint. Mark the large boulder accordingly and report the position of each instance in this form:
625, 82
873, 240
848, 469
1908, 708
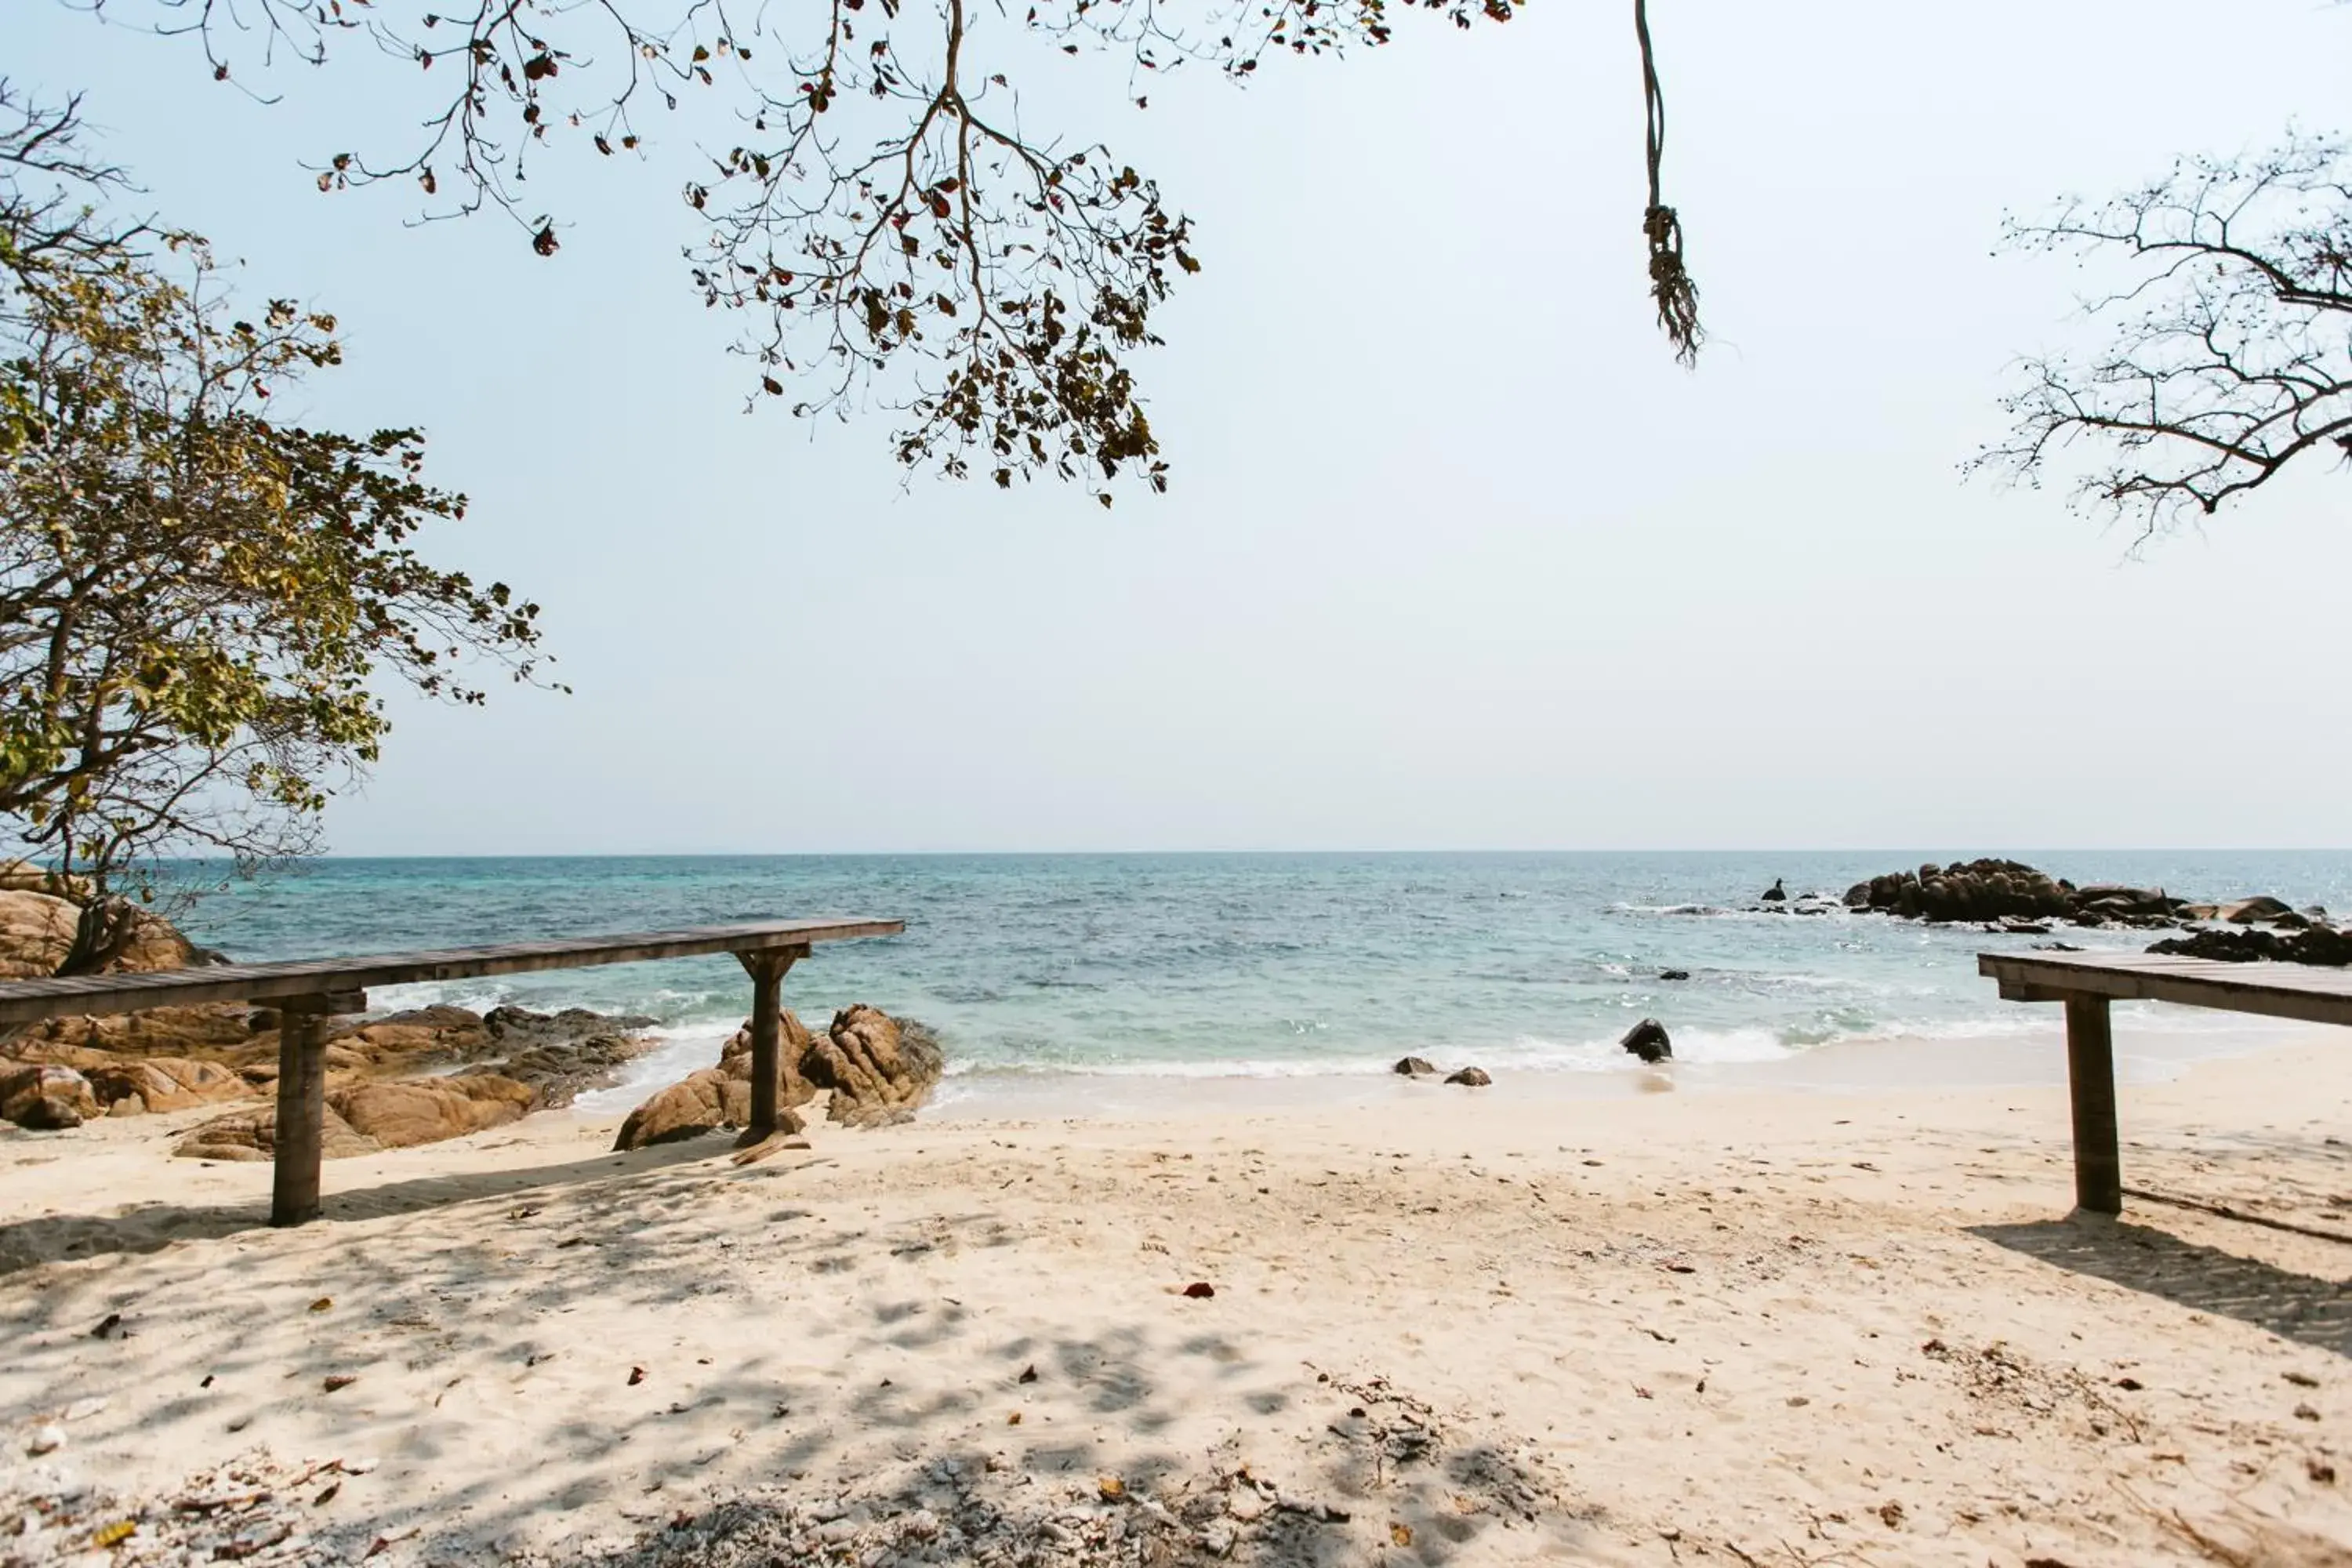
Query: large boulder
213, 1031
429, 1110
37, 931
2246, 912
24, 877
719, 1098
45, 1098
878, 1070
253, 1135
703, 1101
162, 1083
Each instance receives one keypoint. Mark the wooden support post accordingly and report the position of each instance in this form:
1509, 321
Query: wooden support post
2091, 1080
767, 967
302, 1102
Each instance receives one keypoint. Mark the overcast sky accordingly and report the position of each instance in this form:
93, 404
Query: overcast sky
1456, 556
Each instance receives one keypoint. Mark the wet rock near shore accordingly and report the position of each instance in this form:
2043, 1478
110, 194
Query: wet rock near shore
1414, 1066
2315, 944
1470, 1077
879, 1068
1649, 1040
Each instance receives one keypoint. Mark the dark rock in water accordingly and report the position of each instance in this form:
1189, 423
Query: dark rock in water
1414, 1066
2246, 912
1674, 974
2055, 947
1648, 1040
2023, 928
1471, 1077
1775, 893
2292, 921
2319, 944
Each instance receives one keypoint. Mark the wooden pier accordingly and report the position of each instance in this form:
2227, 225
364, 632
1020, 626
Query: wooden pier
2088, 983
308, 991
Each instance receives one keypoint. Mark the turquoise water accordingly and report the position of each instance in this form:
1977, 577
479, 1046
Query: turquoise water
1216, 965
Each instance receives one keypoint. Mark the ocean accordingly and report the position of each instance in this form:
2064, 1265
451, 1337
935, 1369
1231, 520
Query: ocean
1112, 979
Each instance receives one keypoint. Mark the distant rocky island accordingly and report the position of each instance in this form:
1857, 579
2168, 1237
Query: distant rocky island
2013, 898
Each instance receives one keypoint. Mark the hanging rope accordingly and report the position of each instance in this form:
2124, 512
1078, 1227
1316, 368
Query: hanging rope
1670, 285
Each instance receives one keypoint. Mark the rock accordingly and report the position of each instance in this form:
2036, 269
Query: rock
878, 1070
45, 1439
1470, 1077
1774, 894
793, 1042
2115, 898
253, 1135
2291, 921
522, 1025
164, 1083
2246, 912
1648, 1041
428, 1110
24, 877
1414, 1066
556, 1073
153, 944
2318, 945
702, 1102
2196, 911
215, 1031
45, 1099
37, 931
1674, 974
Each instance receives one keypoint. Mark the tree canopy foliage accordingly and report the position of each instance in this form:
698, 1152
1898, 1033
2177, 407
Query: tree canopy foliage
195, 598
893, 230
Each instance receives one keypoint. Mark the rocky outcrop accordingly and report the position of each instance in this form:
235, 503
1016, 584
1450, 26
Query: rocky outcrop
2259, 908
24, 877
212, 1032
2317, 944
1648, 1040
45, 1099
1414, 1067
1470, 1077
1975, 890
369, 1118
429, 1110
252, 1134
136, 1087
706, 1101
718, 1098
37, 931
878, 1070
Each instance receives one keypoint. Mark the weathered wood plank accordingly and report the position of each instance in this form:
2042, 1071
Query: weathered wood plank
25, 1001
2317, 995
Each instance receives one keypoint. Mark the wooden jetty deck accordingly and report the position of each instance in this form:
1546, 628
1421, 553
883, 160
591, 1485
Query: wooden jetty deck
2088, 982
307, 991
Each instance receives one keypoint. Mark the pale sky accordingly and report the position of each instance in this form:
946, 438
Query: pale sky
1456, 556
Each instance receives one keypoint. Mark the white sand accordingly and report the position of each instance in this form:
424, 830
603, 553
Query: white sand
1669, 1328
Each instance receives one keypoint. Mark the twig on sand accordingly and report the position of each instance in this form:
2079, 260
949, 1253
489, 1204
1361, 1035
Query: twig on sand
774, 1142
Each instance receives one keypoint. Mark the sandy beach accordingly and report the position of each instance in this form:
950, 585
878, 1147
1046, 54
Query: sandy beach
1470, 1327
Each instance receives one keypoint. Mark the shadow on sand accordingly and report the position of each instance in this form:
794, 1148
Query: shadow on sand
150, 1227
2292, 1305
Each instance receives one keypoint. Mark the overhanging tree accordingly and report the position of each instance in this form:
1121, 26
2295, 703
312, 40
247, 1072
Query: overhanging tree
196, 599
2229, 349
894, 231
